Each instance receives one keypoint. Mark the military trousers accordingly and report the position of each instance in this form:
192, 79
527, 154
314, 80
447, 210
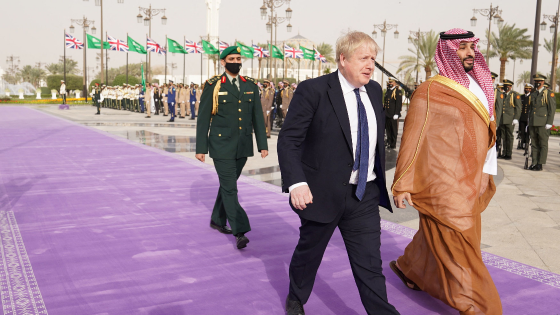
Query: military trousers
171, 110
523, 134
98, 105
63, 98
227, 207
392, 130
193, 110
539, 144
165, 108
506, 134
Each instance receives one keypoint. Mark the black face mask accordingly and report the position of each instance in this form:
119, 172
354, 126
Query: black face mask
233, 67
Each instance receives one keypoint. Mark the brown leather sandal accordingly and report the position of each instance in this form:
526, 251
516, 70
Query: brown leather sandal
403, 278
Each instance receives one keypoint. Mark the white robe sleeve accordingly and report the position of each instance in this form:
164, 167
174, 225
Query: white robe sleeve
491, 162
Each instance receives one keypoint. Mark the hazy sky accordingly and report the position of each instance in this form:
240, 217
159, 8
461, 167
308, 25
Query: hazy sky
34, 29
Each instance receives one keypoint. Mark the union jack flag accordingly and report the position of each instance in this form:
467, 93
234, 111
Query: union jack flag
260, 52
193, 47
292, 52
116, 44
318, 56
155, 47
73, 43
222, 45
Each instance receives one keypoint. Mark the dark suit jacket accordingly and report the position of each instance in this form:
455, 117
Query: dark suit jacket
315, 146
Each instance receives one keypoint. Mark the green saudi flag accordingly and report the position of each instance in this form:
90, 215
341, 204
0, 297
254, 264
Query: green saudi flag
134, 46
246, 51
175, 47
95, 43
276, 52
307, 53
209, 48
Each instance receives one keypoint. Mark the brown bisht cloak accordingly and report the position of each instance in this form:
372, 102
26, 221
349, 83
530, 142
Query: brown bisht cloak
447, 134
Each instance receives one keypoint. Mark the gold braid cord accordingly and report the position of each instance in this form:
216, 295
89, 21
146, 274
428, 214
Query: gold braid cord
215, 96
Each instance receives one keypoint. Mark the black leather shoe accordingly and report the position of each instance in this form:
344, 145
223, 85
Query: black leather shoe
294, 307
507, 157
500, 156
97, 114
171, 120
242, 240
538, 167
532, 167
222, 229
147, 117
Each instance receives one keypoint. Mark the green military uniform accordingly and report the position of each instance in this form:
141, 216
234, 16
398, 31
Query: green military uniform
498, 104
225, 129
511, 111
542, 107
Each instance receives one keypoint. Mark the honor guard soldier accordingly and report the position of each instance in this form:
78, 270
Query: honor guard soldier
392, 107
192, 101
511, 110
498, 101
287, 95
267, 98
96, 96
542, 108
524, 117
171, 93
233, 105
62, 91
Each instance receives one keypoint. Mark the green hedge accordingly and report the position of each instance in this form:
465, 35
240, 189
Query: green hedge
73, 82
45, 91
121, 78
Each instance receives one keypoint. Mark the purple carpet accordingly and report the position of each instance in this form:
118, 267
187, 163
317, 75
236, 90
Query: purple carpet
94, 224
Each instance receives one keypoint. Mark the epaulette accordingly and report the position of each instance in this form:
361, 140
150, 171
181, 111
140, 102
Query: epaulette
213, 79
250, 79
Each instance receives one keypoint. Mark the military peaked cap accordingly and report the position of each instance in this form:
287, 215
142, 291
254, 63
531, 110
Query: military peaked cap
231, 50
539, 77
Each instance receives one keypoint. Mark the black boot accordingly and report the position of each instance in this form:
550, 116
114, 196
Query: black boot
242, 240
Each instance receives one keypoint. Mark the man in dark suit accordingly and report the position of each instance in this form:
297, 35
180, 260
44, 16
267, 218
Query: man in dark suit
331, 145
392, 107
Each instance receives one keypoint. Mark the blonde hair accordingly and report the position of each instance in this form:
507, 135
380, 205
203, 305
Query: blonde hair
350, 41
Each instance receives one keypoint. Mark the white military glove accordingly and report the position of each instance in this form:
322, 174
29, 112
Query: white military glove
193, 102
267, 112
515, 122
395, 117
548, 126
280, 106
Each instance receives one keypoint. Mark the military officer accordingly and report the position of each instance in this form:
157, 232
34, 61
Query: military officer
164, 99
392, 107
192, 101
96, 98
267, 98
498, 102
171, 93
511, 110
62, 91
233, 105
542, 108
524, 117
287, 95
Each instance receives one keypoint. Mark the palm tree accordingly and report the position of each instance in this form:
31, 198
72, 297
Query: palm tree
524, 77
327, 51
510, 43
424, 53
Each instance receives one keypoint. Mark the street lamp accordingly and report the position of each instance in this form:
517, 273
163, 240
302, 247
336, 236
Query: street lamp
71, 28
384, 28
493, 12
553, 29
416, 37
543, 26
93, 30
149, 14
274, 21
99, 3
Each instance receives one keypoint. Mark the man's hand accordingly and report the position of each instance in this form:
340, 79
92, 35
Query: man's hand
399, 200
264, 153
395, 117
484, 183
200, 157
301, 196
548, 126
515, 122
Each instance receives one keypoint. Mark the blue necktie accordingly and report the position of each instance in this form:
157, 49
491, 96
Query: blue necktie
361, 162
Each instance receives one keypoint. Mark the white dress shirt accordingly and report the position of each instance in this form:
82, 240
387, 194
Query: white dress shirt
491, 162
352, 108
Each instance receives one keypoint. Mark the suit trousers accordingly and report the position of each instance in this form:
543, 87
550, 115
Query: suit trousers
360, 226
171, 109
506, 133
392, 130
227, 205
183, 109
193, 110
539, 144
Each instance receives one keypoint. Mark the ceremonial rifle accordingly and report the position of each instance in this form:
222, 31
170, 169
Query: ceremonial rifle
407, 90
527, 145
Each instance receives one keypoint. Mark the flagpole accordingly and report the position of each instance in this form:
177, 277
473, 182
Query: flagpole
146, 70
184, 58
84, 90
65, 56
252, 68
200, 61
299, 60
165, 80
284, 60
313, 63
208, 60
127, 59
106, 59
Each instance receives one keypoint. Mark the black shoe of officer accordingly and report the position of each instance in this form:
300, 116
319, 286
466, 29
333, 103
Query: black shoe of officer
242, 240
538, 167
500, 156
222, 229
97, 114
532, 167
294, 307
508, 157
171, 120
